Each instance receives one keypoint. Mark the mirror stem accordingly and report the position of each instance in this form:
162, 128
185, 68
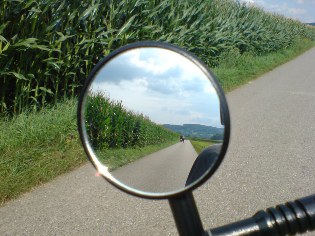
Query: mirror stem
186, 215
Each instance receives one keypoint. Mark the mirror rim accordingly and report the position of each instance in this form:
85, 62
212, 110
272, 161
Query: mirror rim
223, 103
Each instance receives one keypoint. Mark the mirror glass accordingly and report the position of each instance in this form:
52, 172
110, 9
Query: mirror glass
148, 113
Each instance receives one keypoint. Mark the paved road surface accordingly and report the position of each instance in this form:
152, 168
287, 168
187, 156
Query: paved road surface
270, 160
159, 172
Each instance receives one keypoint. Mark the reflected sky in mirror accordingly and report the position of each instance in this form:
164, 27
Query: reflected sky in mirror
161, 84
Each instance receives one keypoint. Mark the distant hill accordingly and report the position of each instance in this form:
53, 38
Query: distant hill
197, 131
311, 23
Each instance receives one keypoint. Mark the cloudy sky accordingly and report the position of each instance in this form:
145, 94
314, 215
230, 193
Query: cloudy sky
162, 85
303, 10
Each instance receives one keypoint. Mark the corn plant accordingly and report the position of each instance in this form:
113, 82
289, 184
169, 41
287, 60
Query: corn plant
48, 47
110, 125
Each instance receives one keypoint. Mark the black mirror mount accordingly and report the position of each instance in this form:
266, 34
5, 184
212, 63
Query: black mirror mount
186, 215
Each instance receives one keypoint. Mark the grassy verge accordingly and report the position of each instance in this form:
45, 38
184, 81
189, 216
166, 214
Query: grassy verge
199, 145
236, 70
115, 158
37, 147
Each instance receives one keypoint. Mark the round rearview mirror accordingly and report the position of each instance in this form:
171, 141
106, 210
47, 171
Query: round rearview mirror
153, 120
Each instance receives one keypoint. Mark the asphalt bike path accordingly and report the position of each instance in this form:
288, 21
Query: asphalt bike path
162, 171
270, 160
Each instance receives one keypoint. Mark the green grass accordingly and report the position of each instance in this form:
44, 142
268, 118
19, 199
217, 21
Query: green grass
236, 69
114, 158
199, 145
37, 147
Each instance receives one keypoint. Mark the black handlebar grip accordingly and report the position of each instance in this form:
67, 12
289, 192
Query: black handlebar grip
290, 218
308, 204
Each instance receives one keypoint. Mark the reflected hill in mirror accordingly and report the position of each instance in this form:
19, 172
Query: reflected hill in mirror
197, 131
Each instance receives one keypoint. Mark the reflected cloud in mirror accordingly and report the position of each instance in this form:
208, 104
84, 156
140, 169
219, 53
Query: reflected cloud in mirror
137, 108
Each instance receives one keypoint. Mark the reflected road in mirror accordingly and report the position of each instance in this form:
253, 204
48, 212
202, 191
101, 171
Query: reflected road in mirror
162, 171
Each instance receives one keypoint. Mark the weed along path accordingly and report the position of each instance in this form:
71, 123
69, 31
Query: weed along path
165, 170
270, 160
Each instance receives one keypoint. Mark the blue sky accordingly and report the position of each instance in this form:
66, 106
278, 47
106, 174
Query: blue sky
161, 84
303, 10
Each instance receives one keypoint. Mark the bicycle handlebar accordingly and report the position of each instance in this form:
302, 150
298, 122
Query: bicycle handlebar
290, 218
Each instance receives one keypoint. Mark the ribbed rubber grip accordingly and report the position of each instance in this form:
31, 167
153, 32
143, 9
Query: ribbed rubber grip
294, 217
284, 219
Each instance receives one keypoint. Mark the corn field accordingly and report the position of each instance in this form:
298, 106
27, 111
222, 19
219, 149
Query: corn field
48, 47
110, 125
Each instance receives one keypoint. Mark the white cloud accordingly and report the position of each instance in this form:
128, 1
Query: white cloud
296, 11
162, 85
248, 1
305, 1
303, 10
254, 2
